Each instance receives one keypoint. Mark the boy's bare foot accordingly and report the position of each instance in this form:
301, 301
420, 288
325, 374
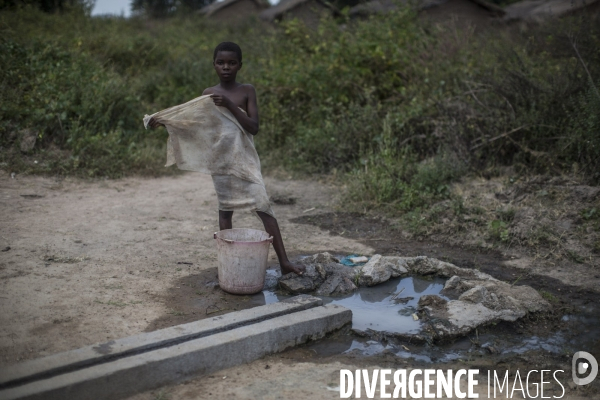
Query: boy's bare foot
290, 267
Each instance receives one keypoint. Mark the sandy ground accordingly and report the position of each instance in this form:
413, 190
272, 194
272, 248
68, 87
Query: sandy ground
272, 378
92, 261
84, 262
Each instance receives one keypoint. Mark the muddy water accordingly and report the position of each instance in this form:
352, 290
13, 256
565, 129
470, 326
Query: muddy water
389, 307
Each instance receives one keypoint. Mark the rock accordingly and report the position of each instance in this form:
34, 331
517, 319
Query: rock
433, 301
320, 258
482, 302
374, 272
323, 274
271, 280
28, 139
452, 283
422, 265
380, 269
298, 284
336, 284
479, 299
478, 294
397, 265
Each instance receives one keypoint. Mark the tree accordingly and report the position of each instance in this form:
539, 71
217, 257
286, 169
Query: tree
49, 6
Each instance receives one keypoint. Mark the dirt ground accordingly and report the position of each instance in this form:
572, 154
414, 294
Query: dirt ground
92, 261
84, 262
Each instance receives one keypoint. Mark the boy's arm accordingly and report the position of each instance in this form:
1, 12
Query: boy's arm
248, 121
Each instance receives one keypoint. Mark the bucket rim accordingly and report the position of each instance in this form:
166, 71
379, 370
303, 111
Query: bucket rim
231, 241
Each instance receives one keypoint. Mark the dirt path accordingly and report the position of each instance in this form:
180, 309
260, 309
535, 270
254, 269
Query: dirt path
94, 261
84, 262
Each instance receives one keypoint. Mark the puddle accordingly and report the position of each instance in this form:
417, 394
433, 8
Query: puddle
388, 307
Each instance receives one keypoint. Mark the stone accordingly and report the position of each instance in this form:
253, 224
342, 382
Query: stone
478, 298
478, 294
374, 272
481, 302
380, 269
323, 275
297, 284
432, 300
336, 284
422, 265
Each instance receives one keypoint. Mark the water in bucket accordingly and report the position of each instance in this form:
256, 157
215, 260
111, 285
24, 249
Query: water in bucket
242, 258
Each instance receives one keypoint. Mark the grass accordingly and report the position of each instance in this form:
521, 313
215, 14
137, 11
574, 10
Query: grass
548, 296
394, 108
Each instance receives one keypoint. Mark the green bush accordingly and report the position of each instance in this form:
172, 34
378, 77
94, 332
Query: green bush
400, 107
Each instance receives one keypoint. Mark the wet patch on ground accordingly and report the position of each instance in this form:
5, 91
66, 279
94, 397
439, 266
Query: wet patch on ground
198, 296
542, 340
378, 234
389, 307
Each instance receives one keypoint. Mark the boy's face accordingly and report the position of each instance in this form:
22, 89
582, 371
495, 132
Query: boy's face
227, 65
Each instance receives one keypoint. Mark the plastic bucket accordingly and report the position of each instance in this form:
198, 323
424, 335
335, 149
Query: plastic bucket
242, 257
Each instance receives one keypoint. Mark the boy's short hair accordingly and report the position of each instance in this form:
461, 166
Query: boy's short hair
228, 46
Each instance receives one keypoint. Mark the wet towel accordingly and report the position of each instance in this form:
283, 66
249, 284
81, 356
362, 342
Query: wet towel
206, 138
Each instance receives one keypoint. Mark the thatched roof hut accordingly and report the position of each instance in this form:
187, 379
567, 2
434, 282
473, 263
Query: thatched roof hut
308, 11
539, 10
233, 10
477, 12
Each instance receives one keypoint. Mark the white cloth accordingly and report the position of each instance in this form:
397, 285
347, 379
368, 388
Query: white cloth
209, 139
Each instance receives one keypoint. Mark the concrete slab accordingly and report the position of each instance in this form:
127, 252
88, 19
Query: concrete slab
61, 363
128, 375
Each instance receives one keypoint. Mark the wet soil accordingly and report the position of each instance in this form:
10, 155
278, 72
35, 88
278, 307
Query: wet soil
377, 233
536, 341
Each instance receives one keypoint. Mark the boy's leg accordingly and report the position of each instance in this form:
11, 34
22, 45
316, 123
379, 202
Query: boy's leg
225, 219
272, 228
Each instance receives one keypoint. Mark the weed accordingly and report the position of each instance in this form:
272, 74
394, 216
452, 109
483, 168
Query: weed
548, 296
498, 230
574, 256
162, 394
506, 215
590, 213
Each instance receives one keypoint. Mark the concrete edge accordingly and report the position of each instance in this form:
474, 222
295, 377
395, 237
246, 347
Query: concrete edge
105, 352
130, 375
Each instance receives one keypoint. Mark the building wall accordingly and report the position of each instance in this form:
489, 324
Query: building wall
309, 12
463, 12
236, 12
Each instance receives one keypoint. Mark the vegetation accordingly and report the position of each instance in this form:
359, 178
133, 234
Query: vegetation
395, 107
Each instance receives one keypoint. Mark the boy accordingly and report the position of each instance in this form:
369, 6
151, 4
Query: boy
240, 100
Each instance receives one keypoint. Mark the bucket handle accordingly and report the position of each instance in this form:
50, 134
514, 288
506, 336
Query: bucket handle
269, 239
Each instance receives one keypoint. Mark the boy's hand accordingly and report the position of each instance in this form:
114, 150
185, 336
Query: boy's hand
154, 123
222, 101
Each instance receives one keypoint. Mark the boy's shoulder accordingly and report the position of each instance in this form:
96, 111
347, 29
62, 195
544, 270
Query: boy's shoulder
245, 87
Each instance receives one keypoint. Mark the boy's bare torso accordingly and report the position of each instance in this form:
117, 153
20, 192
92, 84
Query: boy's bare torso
239, 95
